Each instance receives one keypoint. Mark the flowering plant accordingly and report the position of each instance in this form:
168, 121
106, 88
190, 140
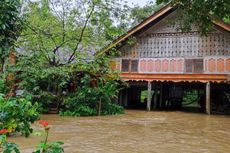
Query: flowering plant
44, 146
3, 131
5, 146
17, 114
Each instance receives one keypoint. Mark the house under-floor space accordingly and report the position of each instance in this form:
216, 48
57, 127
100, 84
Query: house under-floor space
185, 96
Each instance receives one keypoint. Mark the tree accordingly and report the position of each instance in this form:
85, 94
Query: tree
200, 12
61, 30
10, 27
59, 40
138, 13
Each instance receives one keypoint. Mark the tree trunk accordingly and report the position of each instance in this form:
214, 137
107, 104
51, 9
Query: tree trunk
2, 66
99, 108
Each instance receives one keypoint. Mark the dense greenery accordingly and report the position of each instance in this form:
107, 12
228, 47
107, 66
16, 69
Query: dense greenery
58, 44
16, 114
96, 99
10, 27
201, 13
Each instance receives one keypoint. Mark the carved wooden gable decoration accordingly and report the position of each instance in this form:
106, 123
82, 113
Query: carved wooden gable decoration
164, 40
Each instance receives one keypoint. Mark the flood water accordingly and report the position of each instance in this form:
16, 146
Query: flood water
137, 132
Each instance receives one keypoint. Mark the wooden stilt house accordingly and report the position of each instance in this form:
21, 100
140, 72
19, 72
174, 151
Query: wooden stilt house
165, 62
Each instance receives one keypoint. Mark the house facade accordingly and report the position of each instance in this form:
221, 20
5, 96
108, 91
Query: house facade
165, 62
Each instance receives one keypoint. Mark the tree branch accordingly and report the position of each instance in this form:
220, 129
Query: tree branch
71, 58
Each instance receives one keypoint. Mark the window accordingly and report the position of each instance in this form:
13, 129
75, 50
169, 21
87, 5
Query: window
134, 65
125, 65
188, 65
194, 66
198, 66
129, 65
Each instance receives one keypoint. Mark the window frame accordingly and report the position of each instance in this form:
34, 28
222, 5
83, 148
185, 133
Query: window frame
130, 65
193, 63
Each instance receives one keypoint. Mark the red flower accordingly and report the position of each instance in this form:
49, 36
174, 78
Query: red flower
11, 94
43, 123
3, 131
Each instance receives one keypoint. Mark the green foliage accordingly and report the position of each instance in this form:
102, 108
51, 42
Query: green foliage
8, 147
16, 114
45, 146
3, 87
10, 27
138, 13
95, 97
112, 109
191, 97
200, 13
58, 42
54, 147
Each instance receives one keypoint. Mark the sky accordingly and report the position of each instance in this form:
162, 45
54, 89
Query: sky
139, 2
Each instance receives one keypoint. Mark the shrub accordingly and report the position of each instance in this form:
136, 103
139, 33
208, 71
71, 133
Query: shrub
7, 147
96, 99
3, 86
112, 109
16, 114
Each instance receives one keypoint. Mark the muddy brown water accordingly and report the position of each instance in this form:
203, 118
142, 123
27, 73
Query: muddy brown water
137, 132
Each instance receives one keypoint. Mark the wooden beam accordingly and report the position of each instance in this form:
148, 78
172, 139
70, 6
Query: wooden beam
208, 100
204, 78
149, 96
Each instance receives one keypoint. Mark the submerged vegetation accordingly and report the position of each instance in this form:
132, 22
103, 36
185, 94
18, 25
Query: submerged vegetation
94, 97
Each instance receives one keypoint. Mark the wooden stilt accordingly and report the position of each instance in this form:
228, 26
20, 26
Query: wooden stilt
155, 100
208, 100
126, 98
149, 96
161, 96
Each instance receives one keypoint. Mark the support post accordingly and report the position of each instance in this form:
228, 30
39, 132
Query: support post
161, 96
155, 99
126, 98
208, 100
149, 96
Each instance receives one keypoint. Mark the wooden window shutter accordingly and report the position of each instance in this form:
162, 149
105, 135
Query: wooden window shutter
188, 65
198, 65
125, 65
134, 65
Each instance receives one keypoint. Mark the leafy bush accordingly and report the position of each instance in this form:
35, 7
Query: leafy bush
16, 114
7, 147
94, 97
3, 86
112, 109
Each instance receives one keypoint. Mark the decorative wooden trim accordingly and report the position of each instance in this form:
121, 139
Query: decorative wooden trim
175, 77
222, 25
216, 59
